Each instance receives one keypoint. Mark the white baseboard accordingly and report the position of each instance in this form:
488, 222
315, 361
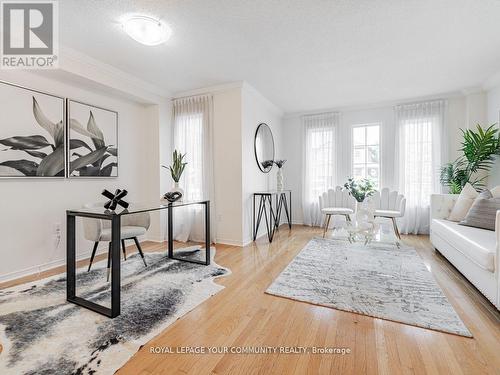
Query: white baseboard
154, 239
52, 264
224, 241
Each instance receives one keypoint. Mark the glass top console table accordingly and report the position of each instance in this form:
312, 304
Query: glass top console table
272, 215
115, 218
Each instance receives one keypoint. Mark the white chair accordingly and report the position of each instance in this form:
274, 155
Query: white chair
336, 202
132, 226
390, 205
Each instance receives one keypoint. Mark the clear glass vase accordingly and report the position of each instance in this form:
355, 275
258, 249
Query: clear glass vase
279, 180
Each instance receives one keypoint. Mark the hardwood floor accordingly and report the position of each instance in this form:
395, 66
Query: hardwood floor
243, 315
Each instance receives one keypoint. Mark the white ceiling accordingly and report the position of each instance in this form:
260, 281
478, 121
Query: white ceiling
301, 54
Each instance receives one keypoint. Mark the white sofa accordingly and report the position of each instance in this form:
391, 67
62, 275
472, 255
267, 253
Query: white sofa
474, 252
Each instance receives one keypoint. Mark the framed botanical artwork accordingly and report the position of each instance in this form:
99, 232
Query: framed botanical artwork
92, 140
32, 133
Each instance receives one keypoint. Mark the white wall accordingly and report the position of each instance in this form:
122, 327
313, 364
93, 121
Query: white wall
493, 110
238, 109
32, 207
257, 109
293, 136
227, 165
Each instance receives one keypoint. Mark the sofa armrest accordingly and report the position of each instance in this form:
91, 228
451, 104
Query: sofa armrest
497, 258
442, 204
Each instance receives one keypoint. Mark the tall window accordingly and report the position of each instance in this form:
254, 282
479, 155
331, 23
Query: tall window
192, 120
320, 160
188, 140
418, 146
420, 127
366, 152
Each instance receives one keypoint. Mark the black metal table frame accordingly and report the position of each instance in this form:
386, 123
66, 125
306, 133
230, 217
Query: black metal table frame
273, 220
115, 219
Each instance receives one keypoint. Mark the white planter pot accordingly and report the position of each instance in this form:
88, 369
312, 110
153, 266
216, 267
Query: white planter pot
177, 188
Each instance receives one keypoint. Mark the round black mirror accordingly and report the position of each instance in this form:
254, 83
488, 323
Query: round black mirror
264, 147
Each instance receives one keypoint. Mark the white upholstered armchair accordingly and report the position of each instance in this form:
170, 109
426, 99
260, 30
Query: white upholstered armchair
132, 226
336, 201
391, 205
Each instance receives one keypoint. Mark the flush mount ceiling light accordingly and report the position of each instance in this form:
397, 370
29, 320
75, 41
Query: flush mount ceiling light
146, 30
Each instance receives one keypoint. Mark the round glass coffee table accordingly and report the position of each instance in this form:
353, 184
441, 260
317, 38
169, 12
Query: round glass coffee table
364, 231
363, 226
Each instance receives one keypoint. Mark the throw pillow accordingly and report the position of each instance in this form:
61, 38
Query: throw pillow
483, 212
496, 192
464, 203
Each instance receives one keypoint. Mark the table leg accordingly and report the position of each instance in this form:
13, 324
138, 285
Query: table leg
170, 234
71, 296
70, 258
207, 233
259, 217
272, 220
115, 266
288, 215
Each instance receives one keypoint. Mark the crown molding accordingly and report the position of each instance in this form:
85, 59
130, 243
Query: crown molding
472, 90
492, 82
84, 68
209, 89
269, 104
377, 105
241, 85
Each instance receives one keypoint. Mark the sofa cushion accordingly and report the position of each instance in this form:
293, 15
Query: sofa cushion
337, 211
387, 213
479, 245
496, 192
464, 203
483, 213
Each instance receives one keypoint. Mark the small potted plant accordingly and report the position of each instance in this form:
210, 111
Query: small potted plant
279, 174
176, 170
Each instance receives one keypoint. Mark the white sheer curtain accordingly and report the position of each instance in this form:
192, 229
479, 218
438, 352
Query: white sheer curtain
319, 154
420, 128
193, 136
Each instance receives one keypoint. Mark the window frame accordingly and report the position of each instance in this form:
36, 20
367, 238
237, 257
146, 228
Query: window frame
365, 145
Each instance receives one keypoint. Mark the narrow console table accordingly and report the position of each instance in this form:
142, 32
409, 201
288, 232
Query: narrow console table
272, 215
115, 218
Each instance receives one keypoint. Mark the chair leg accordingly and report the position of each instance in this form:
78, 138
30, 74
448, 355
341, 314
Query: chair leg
124, 251
396, 230
327, 224
348, 218
109, 262
93, 255
140, 250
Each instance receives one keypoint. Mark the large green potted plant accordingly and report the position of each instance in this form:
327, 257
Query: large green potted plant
176, 170
480, 148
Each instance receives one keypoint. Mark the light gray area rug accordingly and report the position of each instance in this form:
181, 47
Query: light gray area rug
41, 333
378, 280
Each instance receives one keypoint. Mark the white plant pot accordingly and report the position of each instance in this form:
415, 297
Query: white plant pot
177, 188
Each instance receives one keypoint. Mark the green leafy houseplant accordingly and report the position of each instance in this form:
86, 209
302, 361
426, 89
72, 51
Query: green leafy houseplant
360, 189
177, 167
479, 148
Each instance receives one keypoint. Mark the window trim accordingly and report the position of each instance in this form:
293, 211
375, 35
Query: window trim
366, 125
